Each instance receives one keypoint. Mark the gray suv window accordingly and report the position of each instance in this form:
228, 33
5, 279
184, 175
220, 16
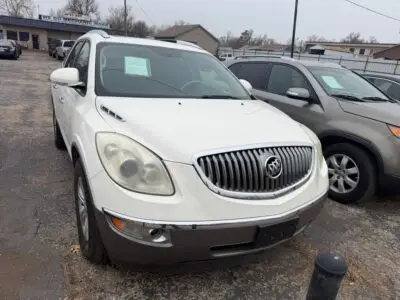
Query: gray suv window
283, 77
387, 86
253, 72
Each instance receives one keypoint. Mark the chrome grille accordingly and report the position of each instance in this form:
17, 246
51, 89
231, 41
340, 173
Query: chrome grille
243, 171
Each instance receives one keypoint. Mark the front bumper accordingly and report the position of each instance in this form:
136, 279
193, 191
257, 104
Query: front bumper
200, 241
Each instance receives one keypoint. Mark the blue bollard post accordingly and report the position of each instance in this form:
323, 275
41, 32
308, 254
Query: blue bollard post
329, 270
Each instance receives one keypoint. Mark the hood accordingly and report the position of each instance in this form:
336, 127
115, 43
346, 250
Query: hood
177, 129
386, 112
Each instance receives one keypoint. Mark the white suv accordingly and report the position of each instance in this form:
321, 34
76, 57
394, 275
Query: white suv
174, 160
62, 50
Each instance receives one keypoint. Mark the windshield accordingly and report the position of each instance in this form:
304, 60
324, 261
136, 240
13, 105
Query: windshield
127, 70
69, 43
345, 82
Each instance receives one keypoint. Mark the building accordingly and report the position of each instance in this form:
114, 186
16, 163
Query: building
35, 33
191, 33
360, 49
392, 53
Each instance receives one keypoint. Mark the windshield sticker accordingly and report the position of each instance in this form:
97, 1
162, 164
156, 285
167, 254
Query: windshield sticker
332, 82
137, 66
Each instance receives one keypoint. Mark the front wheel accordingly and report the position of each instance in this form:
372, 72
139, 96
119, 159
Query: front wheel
90, 242
352, 173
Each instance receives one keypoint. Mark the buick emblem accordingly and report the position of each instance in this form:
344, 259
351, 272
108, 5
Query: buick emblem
273, 167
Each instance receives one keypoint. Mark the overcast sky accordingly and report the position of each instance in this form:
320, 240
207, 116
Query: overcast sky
332, 19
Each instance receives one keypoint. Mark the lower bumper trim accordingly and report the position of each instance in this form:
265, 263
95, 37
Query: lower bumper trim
195, 242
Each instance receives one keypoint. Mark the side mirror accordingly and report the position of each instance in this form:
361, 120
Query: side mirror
298, 93
66, 76
246, 84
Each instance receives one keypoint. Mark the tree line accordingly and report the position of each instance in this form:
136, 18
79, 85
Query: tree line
247, 38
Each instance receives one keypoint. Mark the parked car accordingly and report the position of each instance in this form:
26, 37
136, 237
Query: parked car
226, 56
18, 46
8, 49
387, 83
178, 166
359, 126
63, 49
52, 45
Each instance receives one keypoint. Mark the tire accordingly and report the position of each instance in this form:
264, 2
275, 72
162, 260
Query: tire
58, 138
50, 54
91, 245
358, 161
59, 57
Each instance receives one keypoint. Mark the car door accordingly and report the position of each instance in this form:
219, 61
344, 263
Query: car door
59, 92
282, 77
74, 96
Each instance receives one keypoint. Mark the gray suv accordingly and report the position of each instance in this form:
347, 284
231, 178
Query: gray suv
358, 125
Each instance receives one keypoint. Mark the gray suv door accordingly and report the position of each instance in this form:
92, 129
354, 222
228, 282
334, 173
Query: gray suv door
281, 78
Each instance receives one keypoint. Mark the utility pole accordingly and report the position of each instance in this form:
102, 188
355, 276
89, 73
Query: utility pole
125, 19
294, 29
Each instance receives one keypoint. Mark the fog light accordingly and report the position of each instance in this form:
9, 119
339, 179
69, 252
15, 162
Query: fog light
140, 231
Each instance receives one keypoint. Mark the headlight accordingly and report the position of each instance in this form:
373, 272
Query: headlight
316, 141
394, 130
133, 166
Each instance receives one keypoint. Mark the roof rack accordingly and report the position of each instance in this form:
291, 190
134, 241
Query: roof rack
258, 56
102, 33
181, 43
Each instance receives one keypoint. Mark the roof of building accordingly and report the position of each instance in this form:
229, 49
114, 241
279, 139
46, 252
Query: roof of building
41, 24
178, 30
390, 53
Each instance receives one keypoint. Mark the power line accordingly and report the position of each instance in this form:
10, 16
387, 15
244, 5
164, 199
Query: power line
373, 11
144, 12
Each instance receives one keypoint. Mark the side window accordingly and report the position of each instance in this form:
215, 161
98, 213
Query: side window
283, 78
235, 69
255, 73
388, 87
82, 62
73, 53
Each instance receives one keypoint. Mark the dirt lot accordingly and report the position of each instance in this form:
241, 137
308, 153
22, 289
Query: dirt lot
37, 225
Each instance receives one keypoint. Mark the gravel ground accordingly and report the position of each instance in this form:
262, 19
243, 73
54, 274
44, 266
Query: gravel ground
37, 225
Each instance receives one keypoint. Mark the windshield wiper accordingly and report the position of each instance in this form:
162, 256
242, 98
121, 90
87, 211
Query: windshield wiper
348, 97
219, 97
379, 99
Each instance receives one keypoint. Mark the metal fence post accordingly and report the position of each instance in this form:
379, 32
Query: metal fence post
319, 56
395, 68
340, 60
366, 64
329, 270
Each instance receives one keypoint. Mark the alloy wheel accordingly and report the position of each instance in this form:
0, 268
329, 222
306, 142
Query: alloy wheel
83, 212
343, 172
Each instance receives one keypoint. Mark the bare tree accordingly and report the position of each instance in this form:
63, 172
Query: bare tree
373, 40
353, 38
82, 7
17, 8
56, 13
180, 23
316, 38
115, 18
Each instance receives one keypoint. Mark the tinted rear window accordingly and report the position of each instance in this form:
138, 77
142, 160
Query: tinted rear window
69, 44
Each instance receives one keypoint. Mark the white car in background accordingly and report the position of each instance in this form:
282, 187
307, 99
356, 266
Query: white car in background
174, 160
62, 50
